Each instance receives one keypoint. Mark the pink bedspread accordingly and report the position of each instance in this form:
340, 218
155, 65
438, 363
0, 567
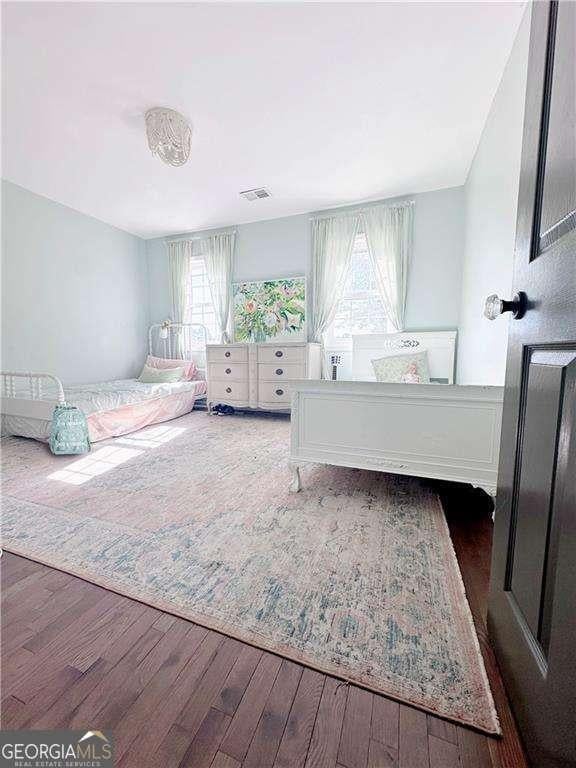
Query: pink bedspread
129, 418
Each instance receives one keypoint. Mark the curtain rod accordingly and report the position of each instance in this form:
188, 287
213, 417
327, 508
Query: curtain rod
184, 238
334, 213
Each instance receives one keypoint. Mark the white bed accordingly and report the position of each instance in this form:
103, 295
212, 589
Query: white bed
435, 430
440, 347
112, 408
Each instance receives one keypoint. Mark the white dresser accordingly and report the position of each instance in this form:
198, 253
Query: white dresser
258, 376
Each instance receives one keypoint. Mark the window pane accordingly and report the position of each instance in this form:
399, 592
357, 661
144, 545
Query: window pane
360, 309
200, 305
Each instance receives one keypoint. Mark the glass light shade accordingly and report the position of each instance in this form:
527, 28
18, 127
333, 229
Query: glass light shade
169, 135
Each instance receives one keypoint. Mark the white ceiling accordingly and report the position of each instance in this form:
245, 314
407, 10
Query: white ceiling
324, 104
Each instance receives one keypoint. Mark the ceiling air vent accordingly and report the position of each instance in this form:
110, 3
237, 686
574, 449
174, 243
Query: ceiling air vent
255, 194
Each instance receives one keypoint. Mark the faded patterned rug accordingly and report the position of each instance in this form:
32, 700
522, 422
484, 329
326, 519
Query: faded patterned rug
354, 576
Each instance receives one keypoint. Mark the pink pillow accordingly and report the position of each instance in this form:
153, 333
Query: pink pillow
189, 366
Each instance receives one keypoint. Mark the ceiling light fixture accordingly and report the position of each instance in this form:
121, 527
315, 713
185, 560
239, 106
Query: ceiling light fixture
169, 135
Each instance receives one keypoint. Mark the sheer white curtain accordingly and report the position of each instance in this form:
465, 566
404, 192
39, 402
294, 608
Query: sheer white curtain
179, 259
180, 263
218, 253
389, 235
332, 243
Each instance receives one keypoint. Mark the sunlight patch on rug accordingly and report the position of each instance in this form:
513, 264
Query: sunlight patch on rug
354, 576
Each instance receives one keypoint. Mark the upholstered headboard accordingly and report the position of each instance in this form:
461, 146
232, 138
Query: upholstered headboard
440, 346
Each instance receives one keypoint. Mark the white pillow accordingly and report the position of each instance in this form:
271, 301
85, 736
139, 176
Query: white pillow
151, 375
402, 369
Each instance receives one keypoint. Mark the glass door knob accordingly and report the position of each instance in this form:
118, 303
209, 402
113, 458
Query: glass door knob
495, 306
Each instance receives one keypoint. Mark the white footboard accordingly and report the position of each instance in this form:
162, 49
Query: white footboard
30, 395
437, 431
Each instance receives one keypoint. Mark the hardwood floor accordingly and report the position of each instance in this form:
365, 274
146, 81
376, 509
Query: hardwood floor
175, 694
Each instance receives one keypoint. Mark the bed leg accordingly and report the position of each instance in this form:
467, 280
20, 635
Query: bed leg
296, 483
491, 491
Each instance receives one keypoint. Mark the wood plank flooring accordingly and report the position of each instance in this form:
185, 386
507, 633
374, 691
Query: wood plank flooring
177, 695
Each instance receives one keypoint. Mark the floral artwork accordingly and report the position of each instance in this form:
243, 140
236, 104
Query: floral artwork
270, 310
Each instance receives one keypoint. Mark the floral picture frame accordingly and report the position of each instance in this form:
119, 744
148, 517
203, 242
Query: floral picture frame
270, 310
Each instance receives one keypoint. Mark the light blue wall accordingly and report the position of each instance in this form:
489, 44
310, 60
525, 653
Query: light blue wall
491, 200
436, 269
264, 249
74, 292
77, 294
281, 248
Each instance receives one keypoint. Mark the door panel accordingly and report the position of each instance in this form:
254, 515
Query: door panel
559, 190
532, 607
532, 511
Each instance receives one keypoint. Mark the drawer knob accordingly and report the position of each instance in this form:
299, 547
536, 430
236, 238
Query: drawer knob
279, 391
228, 389
227, 354
228, 370
279, 371
279, 353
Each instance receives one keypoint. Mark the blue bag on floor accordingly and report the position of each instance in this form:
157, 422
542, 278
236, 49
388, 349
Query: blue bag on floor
69, 431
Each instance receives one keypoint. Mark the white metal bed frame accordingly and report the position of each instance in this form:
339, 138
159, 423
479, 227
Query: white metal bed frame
39, 392
177, 335
12, 397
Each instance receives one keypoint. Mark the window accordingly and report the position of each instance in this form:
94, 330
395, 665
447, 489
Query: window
360, 310
200, 304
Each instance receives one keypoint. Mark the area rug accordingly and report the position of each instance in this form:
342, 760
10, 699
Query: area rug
354, 576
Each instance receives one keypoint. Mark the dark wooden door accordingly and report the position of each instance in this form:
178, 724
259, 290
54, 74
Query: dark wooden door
532, 608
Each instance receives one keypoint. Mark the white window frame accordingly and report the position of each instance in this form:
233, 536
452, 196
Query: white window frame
204, 312
333, 342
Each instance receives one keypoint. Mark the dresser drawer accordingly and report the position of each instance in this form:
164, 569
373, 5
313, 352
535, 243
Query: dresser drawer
227, 354
270, 393
224, 391
280, 371
285, 354
228, 371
